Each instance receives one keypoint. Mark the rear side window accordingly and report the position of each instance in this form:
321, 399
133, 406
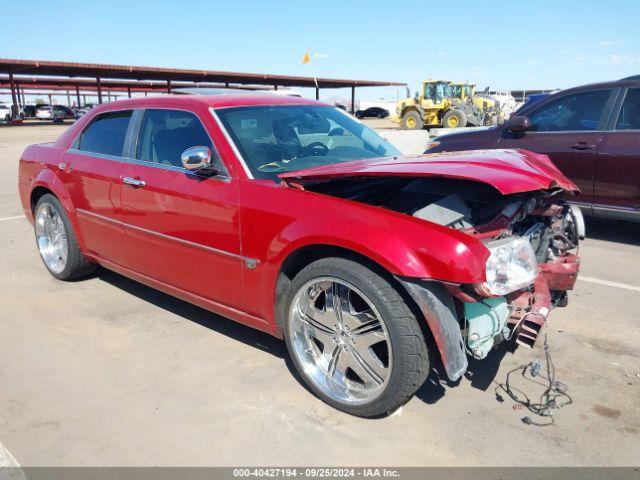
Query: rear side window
629, 117
579, 111
105, 134
165, 134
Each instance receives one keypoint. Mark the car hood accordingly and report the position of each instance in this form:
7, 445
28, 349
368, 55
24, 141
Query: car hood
508, 171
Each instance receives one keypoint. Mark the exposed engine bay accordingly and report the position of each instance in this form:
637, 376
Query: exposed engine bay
540, 222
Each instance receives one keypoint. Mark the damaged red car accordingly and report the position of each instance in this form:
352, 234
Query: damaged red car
294, 218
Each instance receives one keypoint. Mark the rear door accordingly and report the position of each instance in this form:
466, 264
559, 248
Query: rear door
617, 169
569, 130
91, 170
181, 229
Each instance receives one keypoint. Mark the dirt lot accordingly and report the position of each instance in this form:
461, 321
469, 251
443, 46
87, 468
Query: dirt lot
106, 371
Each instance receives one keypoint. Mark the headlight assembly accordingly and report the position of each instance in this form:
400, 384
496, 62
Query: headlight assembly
512, 265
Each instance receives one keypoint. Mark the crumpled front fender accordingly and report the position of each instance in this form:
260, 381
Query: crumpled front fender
436, 304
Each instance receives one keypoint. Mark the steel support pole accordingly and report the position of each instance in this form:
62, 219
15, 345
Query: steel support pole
14, 106
68, 99
168, 86
78, 96
275, 87
317, 93
129, 92
353, 99
99, 89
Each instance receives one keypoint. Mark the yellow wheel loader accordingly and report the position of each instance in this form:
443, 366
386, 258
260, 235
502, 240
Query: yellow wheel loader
440, 103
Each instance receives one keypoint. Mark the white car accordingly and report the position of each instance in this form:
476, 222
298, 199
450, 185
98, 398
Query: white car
5, 113
57, 113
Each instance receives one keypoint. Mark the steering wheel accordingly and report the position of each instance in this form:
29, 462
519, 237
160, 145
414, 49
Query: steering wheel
314, 149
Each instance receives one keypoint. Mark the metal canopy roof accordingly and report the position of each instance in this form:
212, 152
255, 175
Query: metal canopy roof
58, 83
93, 70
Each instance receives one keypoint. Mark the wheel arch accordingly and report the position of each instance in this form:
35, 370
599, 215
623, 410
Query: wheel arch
48, 182
303, 256
413, 108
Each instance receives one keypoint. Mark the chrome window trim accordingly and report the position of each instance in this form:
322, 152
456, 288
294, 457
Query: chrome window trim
224, 176
250, 262
231, 143
103, 156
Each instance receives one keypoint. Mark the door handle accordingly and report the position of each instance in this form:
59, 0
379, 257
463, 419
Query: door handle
583, 146
134, 182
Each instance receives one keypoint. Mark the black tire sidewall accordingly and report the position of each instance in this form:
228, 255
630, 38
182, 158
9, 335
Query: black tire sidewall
416, 115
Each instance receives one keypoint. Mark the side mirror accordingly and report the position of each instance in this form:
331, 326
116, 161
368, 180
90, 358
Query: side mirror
518, 124
198, 160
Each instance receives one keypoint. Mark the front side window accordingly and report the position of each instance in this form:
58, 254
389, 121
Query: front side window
629, 117
285, 138
166, 134
575, 112
105, 134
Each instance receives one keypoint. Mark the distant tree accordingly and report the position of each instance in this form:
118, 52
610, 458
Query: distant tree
39, 101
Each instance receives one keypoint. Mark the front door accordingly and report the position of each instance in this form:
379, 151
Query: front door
181, 229
91, 171
569, 130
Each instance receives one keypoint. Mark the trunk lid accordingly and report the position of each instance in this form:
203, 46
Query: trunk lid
508, 171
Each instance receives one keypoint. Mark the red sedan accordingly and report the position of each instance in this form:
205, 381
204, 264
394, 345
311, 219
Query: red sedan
292, 217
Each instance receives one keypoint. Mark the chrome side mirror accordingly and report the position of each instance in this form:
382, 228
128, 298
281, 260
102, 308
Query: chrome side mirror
198, 160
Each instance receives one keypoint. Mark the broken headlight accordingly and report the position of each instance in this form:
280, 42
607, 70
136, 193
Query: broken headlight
512, 265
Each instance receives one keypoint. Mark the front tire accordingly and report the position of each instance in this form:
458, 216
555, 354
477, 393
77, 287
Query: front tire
57, 242
412, 121
353, 339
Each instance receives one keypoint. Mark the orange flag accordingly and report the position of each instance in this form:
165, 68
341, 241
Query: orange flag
306, 59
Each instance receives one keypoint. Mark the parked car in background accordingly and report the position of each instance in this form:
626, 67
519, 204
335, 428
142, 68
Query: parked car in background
57, 113
5, 113
591, 133
80, 111
376, 112
287, 215
30, 110
531, 99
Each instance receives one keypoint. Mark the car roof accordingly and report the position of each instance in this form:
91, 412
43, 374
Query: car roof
625, 82
222, 100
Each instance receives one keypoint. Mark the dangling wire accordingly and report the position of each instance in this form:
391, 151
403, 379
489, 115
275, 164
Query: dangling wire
554, 396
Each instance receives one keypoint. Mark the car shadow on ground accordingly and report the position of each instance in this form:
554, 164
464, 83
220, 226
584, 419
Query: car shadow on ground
613, 230
247, 335
481, 374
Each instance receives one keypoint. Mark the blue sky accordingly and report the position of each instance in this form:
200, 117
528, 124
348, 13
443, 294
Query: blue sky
505, 45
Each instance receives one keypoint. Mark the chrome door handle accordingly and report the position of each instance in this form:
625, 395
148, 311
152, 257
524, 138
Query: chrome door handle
134, 182
62, 166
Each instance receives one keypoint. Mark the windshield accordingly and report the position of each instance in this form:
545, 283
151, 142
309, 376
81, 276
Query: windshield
277, 139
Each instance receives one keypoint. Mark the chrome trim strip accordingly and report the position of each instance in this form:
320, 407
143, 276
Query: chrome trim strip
607, 208
231, 143
250, 262
103, 156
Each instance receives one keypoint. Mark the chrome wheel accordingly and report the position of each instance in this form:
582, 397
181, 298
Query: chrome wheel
340, 340
52, 238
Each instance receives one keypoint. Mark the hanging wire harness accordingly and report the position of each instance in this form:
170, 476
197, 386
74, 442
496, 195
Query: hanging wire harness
553, 397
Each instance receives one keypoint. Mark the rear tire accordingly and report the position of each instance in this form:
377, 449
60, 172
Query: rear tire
374, 347
57, 243
454, 118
